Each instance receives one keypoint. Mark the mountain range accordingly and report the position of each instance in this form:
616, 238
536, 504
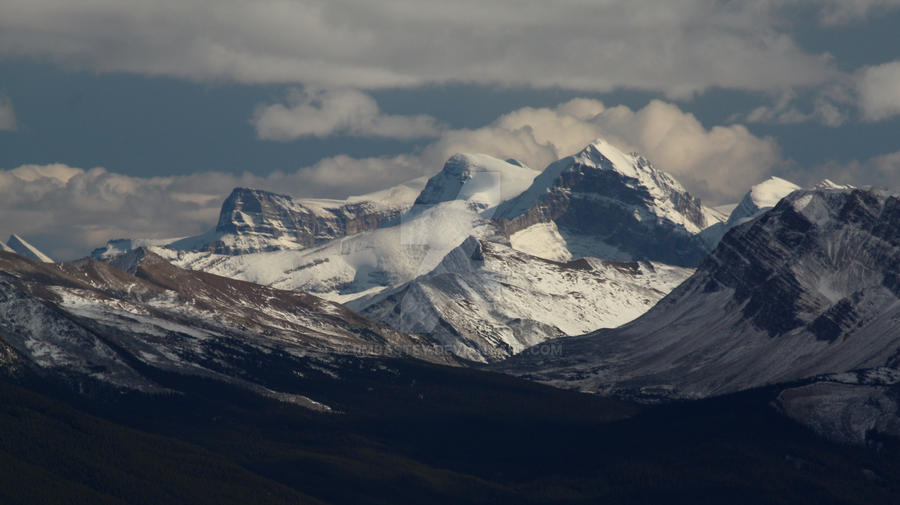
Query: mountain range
492, 291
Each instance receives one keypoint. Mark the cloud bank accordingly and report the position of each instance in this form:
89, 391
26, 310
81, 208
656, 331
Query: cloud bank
677, 47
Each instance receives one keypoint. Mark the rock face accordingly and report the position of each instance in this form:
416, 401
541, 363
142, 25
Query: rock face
609, 204
811, 287
100, 325
861, 407
486, 301
252, 220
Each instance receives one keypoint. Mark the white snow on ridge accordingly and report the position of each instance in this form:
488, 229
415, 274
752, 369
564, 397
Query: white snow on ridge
20, 246
542, 240
120, 246
604, 156
344, 269
482, 180
396, 196
454, 205
760, 198
500, 301
829, 184
769, 192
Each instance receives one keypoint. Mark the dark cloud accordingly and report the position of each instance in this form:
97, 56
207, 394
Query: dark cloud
678, 47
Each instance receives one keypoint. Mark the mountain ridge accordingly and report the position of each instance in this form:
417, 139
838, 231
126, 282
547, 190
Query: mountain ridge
783, 297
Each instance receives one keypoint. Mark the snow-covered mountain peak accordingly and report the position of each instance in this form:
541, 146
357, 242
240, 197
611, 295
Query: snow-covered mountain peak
831, 206
130, 260
248, 209
601, 154
761, 197
485, 301
20, 246
612, 205
254, 220
661, 193
483, 180
770, 191
812, 286
829, 184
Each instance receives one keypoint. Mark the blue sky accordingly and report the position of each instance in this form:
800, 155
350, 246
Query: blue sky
178, 101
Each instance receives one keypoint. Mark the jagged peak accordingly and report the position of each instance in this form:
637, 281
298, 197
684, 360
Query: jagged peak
603, 156
829, 184
23, 248
238, 191
826, 206
130, 261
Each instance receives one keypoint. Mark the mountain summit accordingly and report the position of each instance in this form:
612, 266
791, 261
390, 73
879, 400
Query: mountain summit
18, 245
760, 198
605, 203
482, 180
811, 287
253, 220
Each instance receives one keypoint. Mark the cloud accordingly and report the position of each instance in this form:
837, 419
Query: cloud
677, 47
320, 113
830, 105
879, 91
7, 114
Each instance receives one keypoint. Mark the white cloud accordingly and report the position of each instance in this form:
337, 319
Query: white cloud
7, 114
879, 91
829, 105
320, 113
677, 47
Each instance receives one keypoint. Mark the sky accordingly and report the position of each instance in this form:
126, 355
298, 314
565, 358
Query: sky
121, 118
